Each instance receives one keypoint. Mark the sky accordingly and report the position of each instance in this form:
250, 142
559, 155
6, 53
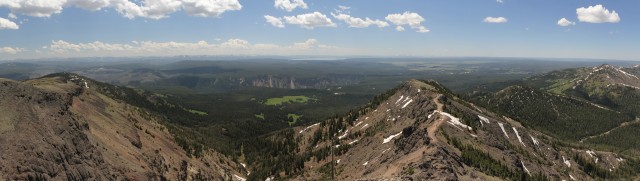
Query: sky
35, 29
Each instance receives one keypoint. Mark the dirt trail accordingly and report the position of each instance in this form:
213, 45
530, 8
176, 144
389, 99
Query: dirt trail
431, 130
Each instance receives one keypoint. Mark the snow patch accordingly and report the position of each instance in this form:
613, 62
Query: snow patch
535, 142
455, 121
472, 135
365, 125
571, 176
338, 161
385, 150
503, 131
352, 142
591, 153
620, 159
525, 168
518, 135
429, 117
343, 135
402, 96
418, 90
305, 129
386, 140
365, 163
239, 178
405, 105
358, 123
272, 178
86, 85
483, 120
566, 162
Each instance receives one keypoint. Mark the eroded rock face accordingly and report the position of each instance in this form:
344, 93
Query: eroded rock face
60, 129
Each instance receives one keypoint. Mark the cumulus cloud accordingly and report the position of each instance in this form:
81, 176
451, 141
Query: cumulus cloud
8, 24
275, 21
37, 8
565, 22
310, 20
152, 9
413, 20
359, 22
210, 8
597, 14
490, 19
290, 5
11, 50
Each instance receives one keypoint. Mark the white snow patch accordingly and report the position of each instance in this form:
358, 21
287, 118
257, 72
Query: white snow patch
305, 129
343, 135
525, 168
365, 125
239, 178
591, 153
620, 159
503, 131
86, 85
566, 162
518, 135
456, 121
405, 105
366, 118
534, 140
472, 135
352, 142
429, 117
402, 96
270, 178
571, 176
338, 161
386, 140
337, 146
365, 163
388, 110
385, 150
483, 119
358, 123
418, 90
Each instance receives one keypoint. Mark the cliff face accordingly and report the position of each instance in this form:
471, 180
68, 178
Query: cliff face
59, 128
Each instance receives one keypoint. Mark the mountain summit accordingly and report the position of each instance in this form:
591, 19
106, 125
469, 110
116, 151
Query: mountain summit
66, 127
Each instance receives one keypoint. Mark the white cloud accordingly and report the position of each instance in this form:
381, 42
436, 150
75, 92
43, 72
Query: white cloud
500, 1
290, 5
8, 24
210, 8
61, 48
37, 8
91, 5
11, 50
422, 29
490, 19
597, 14
414, 20
359, 22
152, 9
275, 21
236, 43
565, 22
12, 16
310, 20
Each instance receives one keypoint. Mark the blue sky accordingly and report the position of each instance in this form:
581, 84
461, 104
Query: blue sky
452, 28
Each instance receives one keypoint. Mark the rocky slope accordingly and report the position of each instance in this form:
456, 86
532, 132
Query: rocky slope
421, 131
63, 128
